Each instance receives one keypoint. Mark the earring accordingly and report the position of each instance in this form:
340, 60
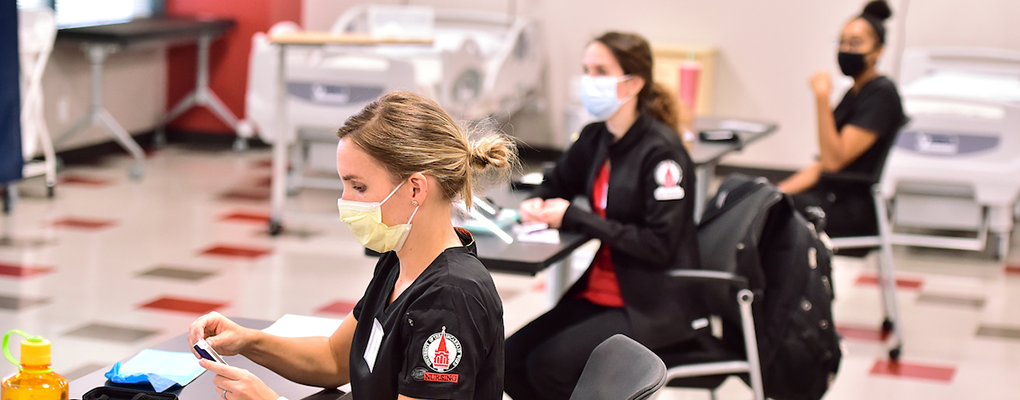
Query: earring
414, 203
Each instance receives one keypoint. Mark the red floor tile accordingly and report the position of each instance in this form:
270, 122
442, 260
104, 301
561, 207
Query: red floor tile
1013, 270
249, 195
338, 307
21, 271
246, 216
267, 163
81, 180
84, 223
901, 283
917, 371
861, 333
264, 182
250, 252
183, 305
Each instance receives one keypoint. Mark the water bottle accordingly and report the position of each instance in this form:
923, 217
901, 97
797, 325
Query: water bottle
35, 379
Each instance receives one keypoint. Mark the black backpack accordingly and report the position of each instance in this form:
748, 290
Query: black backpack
751, 229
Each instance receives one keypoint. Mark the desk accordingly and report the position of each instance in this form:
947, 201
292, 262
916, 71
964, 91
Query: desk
707, 155
99, 42
531, 258
202, 387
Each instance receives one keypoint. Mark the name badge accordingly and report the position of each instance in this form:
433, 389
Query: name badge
374, 341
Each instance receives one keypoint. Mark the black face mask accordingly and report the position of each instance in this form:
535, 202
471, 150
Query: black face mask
851, 63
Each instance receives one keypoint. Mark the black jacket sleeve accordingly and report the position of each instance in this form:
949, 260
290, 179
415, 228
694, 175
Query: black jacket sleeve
570, 176
668, 211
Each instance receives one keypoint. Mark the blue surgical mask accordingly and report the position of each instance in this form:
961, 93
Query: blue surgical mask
598, 94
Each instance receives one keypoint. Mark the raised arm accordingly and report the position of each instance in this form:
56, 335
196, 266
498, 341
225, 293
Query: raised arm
837, 148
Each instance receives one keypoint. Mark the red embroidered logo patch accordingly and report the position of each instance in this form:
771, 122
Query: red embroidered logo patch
442, 351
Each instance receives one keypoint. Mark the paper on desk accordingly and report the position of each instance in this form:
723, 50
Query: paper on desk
539, 234
162, 369
291, 325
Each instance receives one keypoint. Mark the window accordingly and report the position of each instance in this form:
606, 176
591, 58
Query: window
73, 13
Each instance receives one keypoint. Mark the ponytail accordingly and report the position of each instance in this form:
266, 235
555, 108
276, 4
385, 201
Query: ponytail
662, 105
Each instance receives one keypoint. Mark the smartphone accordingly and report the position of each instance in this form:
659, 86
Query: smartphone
206, 351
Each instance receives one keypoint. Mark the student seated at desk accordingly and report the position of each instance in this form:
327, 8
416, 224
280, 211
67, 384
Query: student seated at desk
430, 324
639, 181
856, 136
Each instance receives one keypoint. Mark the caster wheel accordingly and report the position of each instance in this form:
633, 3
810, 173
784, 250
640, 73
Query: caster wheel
240, 144
159, 139
275, 228
1000, 246
5, 199
50, 191
887, 325
894, 354
245, 130
10, 196
136, 172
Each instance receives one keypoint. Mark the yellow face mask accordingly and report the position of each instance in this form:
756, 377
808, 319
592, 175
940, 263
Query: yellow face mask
365, 221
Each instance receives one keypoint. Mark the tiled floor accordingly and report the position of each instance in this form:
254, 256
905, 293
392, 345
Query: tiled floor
111, 266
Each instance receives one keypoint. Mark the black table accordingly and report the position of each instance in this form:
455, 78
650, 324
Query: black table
162, 29
202, 387
100, 41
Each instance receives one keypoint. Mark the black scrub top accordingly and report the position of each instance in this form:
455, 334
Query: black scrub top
877, 108
442, 338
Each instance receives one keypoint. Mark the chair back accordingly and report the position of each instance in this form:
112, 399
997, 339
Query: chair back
620, 369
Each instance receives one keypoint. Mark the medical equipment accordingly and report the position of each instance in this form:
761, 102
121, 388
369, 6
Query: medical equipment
955, 168
479, 64
474, 64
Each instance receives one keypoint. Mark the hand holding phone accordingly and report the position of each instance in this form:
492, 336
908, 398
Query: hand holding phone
206, 351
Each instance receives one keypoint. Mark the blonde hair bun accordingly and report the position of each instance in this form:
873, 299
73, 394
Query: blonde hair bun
493, 150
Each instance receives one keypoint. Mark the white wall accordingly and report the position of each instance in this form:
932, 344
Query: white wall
767, 49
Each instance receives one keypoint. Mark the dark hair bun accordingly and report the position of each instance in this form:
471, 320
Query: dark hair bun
877, 9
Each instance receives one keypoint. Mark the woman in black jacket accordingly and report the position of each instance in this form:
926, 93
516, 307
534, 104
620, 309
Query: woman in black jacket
639, 181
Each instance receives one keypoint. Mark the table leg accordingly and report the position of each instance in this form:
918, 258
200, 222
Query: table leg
98, 114
556, 284
703, 180
278, 195
202, 95
126, 142
82, 122
205, 95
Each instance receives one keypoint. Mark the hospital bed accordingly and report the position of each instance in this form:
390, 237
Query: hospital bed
955, 169
474, 64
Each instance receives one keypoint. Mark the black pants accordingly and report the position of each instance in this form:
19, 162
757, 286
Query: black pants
849, 211
544, 359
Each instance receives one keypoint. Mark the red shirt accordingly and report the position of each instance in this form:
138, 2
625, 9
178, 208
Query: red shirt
603, 287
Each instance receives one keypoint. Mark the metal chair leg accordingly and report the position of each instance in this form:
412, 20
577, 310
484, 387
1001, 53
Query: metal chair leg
887, 278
